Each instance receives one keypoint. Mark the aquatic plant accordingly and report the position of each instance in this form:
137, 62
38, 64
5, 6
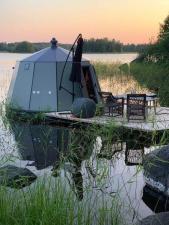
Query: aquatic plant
105, 69
49, 201
153, 76
114, 78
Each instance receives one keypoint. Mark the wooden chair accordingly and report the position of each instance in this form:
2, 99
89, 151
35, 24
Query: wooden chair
136, 106
113, 106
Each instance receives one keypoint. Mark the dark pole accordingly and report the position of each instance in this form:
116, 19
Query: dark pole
73, 95
60, 85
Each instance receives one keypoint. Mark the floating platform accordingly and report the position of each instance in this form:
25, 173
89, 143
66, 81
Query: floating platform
154, 122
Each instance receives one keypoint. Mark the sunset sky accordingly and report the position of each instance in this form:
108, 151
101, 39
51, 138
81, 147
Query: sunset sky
130, 21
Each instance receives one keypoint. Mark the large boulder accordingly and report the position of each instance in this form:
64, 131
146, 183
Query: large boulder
157, 219
156, 201
16, 177
83, 108
156, 170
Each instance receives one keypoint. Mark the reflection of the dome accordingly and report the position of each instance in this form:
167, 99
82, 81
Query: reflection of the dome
81, 147
156, 201
40, 143
46, 145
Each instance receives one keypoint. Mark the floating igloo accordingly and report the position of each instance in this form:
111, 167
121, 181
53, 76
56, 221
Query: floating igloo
41, 82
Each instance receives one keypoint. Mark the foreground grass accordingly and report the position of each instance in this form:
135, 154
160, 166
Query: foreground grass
153, 76
52, 203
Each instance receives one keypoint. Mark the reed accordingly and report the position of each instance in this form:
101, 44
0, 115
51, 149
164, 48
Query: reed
115, 78
153, 76
106, 69
49, 201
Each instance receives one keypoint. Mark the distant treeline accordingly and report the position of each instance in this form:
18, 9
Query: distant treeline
106, 45
90, 46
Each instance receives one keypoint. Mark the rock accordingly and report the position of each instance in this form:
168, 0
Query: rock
16, 177
83, 108
140, 58
156, 169
157, 219
156, 201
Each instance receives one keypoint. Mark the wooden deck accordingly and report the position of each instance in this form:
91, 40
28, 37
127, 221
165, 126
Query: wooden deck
154, 122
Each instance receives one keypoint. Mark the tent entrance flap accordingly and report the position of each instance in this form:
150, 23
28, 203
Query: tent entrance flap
89, 82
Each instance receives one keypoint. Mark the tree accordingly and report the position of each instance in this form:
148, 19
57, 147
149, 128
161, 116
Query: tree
164, 29
159, 51
24, 47
3, 47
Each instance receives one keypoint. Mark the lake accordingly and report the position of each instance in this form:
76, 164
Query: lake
8, 60
94, 168
122, 57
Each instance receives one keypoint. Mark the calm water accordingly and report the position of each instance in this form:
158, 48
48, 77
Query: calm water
122, 58
7, 60
105, 169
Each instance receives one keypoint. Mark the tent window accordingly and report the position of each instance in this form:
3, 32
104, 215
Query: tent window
26, 67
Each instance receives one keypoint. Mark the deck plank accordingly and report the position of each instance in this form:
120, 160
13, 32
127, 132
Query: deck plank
158, 122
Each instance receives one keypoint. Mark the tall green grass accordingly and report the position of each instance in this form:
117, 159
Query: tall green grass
140, 76
153, 76
105, 69
51, 202
115, 78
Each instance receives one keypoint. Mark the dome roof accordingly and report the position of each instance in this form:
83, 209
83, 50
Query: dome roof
50, 54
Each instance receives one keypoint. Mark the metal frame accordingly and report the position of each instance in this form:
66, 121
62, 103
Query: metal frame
113, 106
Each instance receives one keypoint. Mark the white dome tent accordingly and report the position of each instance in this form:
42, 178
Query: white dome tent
37, 85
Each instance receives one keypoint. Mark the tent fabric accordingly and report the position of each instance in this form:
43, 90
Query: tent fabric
35, 82
57, 54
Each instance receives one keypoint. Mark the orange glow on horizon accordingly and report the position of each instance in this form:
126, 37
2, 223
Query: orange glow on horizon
129, 21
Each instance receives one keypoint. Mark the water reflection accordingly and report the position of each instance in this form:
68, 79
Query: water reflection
44, 145
89, 160
134, 153
132, 149
40, 144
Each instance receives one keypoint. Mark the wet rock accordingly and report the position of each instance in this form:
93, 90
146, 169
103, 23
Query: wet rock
156, 170
157, 219
16, 177
156, 201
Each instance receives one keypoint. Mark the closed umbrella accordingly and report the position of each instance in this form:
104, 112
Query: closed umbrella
76, 66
